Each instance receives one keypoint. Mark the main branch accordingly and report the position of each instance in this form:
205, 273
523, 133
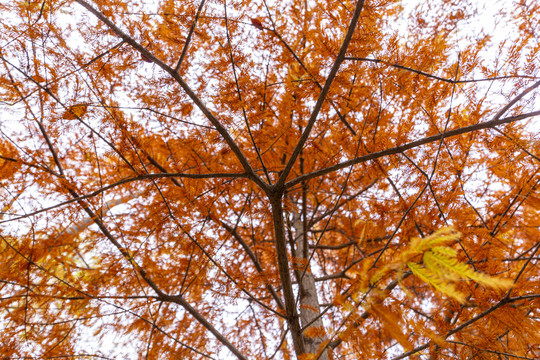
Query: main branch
187, 89
411, 145
322, 95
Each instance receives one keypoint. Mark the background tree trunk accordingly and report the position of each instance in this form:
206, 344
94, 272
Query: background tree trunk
308, 300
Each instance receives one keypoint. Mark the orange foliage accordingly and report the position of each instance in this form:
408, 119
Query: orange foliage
245, 179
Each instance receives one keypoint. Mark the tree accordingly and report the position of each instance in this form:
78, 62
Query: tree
269, 180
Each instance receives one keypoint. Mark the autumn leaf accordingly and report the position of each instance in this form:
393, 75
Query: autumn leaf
257, 23
75, 111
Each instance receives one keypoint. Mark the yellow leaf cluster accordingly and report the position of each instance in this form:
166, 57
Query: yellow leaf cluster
441, 268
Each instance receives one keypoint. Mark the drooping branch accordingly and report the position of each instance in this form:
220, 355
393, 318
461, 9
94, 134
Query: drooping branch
201, 319
80, 226
85, 295
146, 277
335, 343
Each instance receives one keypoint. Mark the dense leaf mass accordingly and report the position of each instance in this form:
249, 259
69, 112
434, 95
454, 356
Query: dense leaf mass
269, 179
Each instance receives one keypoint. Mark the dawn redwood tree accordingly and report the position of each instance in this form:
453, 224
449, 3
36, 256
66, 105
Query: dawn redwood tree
269, 179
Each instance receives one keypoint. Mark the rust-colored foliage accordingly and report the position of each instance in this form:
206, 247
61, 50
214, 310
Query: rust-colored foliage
269, 179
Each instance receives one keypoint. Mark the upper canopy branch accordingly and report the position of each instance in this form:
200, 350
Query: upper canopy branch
215, 122
423, 73
190, 34
408, 146
322, 96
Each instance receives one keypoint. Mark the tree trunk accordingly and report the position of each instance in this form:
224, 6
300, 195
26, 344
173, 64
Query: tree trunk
285, 275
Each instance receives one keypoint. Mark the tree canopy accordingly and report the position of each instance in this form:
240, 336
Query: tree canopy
262, 179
